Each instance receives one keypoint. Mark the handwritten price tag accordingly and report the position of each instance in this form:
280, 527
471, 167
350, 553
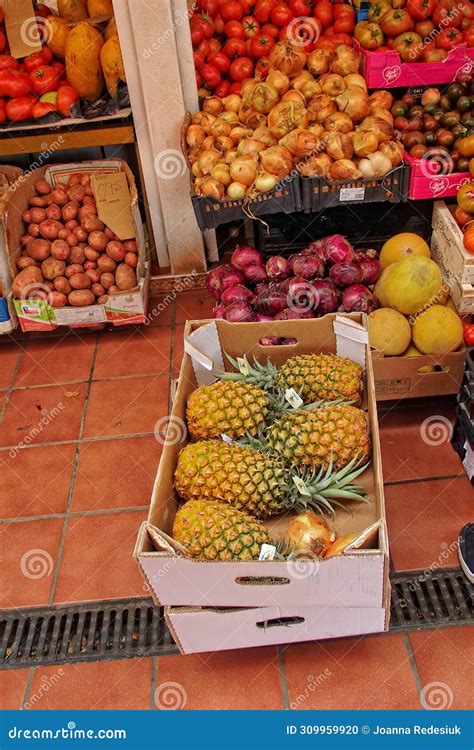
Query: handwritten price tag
113, 203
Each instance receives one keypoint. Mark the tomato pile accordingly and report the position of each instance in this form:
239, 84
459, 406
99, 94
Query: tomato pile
34, 86
421, 31
233, 38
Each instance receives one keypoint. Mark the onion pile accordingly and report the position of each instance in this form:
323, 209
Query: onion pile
327, 276
311, 113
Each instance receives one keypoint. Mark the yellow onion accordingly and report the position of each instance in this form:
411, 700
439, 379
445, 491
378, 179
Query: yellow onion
279, 81
223, 142
213, 105
221, 173
287, 116
394, 151
256, 119
263, 134
315, 166
245, 85
250, 146
261, 97
232, 103
375, 165
355, 79
195, 170
207, 121
238, 132
346, 60
212, 188
220, 127
310, 89
318, 62
194, 154
207, 159
229, 117
243, 169
294, 96
354, 102
230, 156
197, 118
316, 129
277, 160
332, 84
384, 114
299, 142
203, 92
236, 191
338, 145
365, 142
208, 143
381, 99
320, 108
382, 129
298, 81
288, 58
344, 170
309, 535
264, 182
339, 121
195, 135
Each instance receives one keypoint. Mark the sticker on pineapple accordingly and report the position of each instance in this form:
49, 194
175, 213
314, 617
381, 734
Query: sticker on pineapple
227, 438
293, 398
267, 552
243, 366
301, 486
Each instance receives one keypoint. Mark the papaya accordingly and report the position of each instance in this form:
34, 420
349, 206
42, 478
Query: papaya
112, 64
100, 7
111, 29
72, 10
58, 32
83, 66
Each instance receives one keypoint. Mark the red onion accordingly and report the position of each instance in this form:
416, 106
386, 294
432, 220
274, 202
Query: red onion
246, 256
328, 298
262, 318
219, 311
309, 267
271, 303
301, 295
337, 249
278, 268
254, 273
317, 248
239, 312
270, 341
345, 274
371, 268
214, 282
237, 293
357, 298
222, 278
294, 314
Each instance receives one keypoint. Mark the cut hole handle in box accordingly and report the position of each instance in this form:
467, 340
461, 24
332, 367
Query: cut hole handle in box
434, 370
278, 622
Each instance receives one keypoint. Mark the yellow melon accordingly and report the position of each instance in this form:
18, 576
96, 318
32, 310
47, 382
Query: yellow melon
438, 330
412, 351
409, 285
389, 331
402, 246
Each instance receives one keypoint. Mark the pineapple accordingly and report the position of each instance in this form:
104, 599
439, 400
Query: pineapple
257, 483
334, 433
232, 408
214, 531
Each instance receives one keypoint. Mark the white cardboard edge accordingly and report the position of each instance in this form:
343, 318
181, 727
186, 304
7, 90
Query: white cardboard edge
351, 340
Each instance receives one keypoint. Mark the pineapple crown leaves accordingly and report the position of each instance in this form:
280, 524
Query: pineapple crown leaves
262, 375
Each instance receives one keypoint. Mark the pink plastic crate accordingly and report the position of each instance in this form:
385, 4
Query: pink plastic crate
434, 186
387, 70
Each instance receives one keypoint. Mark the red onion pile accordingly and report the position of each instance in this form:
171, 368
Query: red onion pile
327, 276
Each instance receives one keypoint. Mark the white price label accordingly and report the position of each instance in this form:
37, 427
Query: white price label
352, 194
301, 486
293, 398
468, 461
267, 552
71, 315
243, 365
227, 439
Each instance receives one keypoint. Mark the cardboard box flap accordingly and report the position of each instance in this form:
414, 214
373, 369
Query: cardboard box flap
351, 339
366, 537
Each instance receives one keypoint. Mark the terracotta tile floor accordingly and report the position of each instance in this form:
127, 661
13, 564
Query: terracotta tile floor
78, 456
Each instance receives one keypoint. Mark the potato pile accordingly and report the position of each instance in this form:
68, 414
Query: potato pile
68, 256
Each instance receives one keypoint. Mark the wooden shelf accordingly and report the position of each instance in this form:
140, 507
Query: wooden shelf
85, 136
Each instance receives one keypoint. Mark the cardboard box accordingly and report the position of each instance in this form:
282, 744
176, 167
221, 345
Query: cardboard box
121, 308
8, 318
358, 578
209, 629
396, 378
461, 291
425, 186
448, 249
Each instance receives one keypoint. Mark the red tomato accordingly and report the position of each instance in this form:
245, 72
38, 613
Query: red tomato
40, 109
449, 39
3, 41
248, 47
447, 13
424, 28
211, 7
283, 34
20, 109
396, 22
269, 29
344, 25
67, 96
231, 10
468, 329
281, 15
247, 7
45, 57
263, 10
220, 60
219, 24
59, 67
15, 84
223, 89
241, 69
7, 62
261, 45
251, 26
210, 75
300, 8
323, 12
235, 87
3, 114
204, 48
329, 31
234, 29
409, 46
197, 36
234, 48
369, 35
198, 58
341, 39
198, 80
262, 67
44, 79
421, 10
214, 45
343, 9
326, 43
468, 36
434, 55
206, 25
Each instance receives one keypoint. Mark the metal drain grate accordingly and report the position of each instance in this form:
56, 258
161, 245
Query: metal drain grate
128, 628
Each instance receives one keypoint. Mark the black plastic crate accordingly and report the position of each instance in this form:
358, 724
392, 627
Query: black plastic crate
318, 193
285, 198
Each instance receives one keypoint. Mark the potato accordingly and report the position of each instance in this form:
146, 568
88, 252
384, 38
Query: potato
90, 201
24, 261
97, 290
74, 268
26, 216
57, 299
73, 10
85, 180
112, 64
111, 235
83, 67
70, 211
102, 300
37, 201
90, 265
115, 250
53, 212
76, 193
60, 250
58, 31
125, 277
26, 239
91, 254
81, 298
42, 187
131, 246
80, 281
70, 225
80, 233
131, 259
51, 267
39, 249
47, 283
106, 264
77, 255
61, 284
94, 275
38, 215
107, 280
58, 196
33, 230
114, 289
63, 233
91, 223
50, 228
25, 280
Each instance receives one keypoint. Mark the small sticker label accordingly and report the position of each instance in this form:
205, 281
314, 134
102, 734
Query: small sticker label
352, 194
468, 461
293, 398
267, 552
227, 439
301, 486
243, 365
